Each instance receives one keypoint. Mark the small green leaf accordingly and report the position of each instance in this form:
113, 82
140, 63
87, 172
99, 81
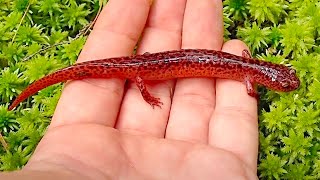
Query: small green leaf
237, 9
255, 37
296, 146
39, 66
271, 167
28, 35
271, 10
75, 14
298, 38
11, 84
14, 160
7, 120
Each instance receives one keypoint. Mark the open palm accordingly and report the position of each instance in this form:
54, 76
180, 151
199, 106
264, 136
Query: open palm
103, 129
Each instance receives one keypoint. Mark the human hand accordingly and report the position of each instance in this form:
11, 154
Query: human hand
207, 130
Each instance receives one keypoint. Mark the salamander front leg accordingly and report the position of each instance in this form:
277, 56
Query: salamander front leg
249, 84
153, 101
246, 53
250, 89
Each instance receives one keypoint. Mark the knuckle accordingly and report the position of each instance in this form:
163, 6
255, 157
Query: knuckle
235, 112
195, 99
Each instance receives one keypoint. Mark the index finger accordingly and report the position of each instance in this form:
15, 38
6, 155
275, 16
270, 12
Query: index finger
115, 33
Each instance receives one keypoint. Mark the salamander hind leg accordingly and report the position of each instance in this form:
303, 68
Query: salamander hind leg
153, 101
251, 89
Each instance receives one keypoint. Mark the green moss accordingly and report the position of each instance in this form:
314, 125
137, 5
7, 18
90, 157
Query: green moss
267, 10
288, 33
237, 9
272, 167
36, 38
7, 120
255, 37
298, 37
11, 84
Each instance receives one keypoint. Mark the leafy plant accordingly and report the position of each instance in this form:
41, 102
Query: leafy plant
270, 10
237, 9
298, 37
255, 37
11, 84
36, 38
272, 167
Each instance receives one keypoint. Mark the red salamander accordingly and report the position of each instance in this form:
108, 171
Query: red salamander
185, 63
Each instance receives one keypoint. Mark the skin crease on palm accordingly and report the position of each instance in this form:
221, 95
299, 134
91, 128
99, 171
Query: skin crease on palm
103, 129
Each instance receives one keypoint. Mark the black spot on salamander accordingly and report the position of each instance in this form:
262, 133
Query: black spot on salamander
81, 74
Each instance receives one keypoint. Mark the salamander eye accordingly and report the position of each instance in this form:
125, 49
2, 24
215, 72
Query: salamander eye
292, 71
284, 84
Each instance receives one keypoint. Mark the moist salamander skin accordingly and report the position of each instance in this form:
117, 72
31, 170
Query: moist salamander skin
174, 64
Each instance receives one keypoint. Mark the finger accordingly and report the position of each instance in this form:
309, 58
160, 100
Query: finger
194, 98
162, 32
116, 32
234, 125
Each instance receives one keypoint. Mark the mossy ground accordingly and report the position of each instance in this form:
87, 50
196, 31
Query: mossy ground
38, 37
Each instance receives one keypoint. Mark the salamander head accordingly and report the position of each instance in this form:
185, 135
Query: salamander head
286, 80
